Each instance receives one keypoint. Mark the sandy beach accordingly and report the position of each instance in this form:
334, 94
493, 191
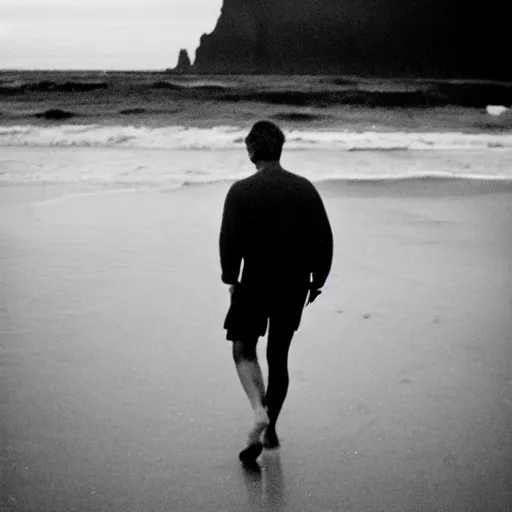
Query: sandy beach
117, 388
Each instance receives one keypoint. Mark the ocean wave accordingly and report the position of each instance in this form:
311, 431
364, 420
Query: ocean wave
329, 98
427, 95
298, 116
167, 85
195, 87
277, 90
18, 87
133, 111
55, 114
232, 137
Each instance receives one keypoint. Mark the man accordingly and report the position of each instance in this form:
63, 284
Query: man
276, 223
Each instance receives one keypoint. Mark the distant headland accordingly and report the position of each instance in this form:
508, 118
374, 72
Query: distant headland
434, 38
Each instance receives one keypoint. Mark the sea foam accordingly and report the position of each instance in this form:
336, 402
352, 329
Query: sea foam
120, 165
232, 137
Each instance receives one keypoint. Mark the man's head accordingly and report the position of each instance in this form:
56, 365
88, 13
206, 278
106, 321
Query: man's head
265, 142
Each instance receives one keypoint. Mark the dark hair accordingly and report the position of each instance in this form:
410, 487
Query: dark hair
266, 139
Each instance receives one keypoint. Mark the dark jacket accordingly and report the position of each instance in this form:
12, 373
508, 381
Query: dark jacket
275, 221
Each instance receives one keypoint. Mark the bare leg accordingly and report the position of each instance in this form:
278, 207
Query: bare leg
249, 372
278, 380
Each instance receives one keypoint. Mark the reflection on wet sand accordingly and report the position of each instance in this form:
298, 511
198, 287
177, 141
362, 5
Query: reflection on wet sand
265, 488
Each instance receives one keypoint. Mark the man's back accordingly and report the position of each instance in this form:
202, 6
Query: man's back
276, 222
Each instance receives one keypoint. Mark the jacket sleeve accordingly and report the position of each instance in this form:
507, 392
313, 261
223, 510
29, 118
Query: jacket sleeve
230, 252
322, 244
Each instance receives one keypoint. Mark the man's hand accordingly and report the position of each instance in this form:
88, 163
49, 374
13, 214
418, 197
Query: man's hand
313, 294
232, 288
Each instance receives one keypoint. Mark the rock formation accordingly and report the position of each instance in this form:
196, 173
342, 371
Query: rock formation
184, 65
437, 38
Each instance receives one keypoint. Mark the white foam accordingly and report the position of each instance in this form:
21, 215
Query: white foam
168, 169
496, 110
232, 137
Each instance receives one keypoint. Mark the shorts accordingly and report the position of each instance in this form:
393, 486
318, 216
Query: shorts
252, 309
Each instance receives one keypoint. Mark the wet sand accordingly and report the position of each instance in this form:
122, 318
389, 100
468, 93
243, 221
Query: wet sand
117, 389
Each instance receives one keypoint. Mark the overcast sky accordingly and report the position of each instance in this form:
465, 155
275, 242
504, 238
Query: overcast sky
101, 34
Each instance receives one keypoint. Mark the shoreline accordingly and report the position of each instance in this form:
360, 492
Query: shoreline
172, 168
412, 186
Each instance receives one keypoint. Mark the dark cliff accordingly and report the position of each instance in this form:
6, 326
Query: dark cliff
438, 38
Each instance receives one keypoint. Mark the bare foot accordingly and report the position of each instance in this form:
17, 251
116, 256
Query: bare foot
270, 439
249, 455
261, 422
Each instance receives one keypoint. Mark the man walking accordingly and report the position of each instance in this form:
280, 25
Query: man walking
274, 221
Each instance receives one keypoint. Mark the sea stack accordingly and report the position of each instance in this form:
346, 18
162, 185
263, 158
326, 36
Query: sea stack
184, 65
425, 38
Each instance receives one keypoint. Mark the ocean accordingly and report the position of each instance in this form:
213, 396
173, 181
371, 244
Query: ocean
161, 130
